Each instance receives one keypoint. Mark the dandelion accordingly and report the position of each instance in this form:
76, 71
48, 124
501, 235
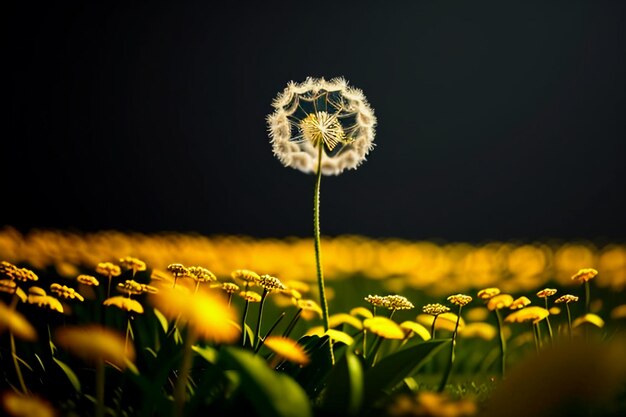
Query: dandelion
382, 328
286, 349
520, 302
496, 302
269, 284
584, 275
17, 325
97, 345
18, 405
460, 300
124, 303
178, 271
109, 270
545, 293
435, 310
321, 127
10, 287
130, 263
87, 280
229, 288
65, 292
531, 314
201, 275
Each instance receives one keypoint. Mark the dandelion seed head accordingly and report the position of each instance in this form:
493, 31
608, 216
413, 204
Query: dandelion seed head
319, 112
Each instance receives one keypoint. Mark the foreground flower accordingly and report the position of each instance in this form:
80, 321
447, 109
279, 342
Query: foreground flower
531, 314
17, 405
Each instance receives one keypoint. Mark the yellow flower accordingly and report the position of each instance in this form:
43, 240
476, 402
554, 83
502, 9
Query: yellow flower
487, 293
251, 296
412, 327
9, 286
588, 318
444, 321
533, 313
270, 283
546, 292
46, 301
361, 312
323, 113
16, 323
132, 264
246, 276
384, 327
338, 319
435, 309
375, 300
206, 312
93, 342
499, 302
567, 298
124, 303
584, 275
460, 299
229, 287
201, 274
19, 405
310, 309
25, 275
287, 349
87, 280
65, 292
480, 330
108, 269
520, 302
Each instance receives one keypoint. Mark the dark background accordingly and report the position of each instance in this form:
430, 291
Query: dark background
496, 120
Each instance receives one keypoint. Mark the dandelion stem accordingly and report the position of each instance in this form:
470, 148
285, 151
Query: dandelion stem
183, 375
243, 323
502, 343
18, 371
587, 297
446, 375
262, 340
258, 321
548, 321
127, 333
569, 321
318, 250
292, 323
432, 327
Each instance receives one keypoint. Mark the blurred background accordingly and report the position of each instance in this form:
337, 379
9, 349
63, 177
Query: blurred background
496, 120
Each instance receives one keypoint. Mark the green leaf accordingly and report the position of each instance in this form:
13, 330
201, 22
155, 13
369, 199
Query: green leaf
69, 373
273, 394
343, 394
392, 369
162, 320
206, 352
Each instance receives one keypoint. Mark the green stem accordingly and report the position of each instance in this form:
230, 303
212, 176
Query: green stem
180, 391
269, 332
587, 296
502, 343
318, 250
446, 375
100, 387
569, 321
432, 328
258, 321
18, 371
127, 334
548, 321
535, 334
292, 323
243, 323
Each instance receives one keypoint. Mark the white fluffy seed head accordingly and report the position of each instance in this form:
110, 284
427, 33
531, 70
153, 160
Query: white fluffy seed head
319, 112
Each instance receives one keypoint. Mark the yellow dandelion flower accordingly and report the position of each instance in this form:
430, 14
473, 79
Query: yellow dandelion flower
567, 298
584, 275
520, 302
338, 319
338, 336
9, 286
546, 292
7, 270
444, 321
361, 312
533, 313
588, 318
201, 274
34, 290
383, 327
310, 309
19, 405
93, 342
499, 302
108, 269
619, 312
130, 287
321, 119
16, 323
124, 303
251, 296
130, 263
480, 330
46, 301
435, 309
287, 349
460, 299
206, 312
87, 280
245, 275
65, 292
270, 283
487, 293
229, 287
412, 327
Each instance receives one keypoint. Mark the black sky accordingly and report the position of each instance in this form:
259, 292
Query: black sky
496, 120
